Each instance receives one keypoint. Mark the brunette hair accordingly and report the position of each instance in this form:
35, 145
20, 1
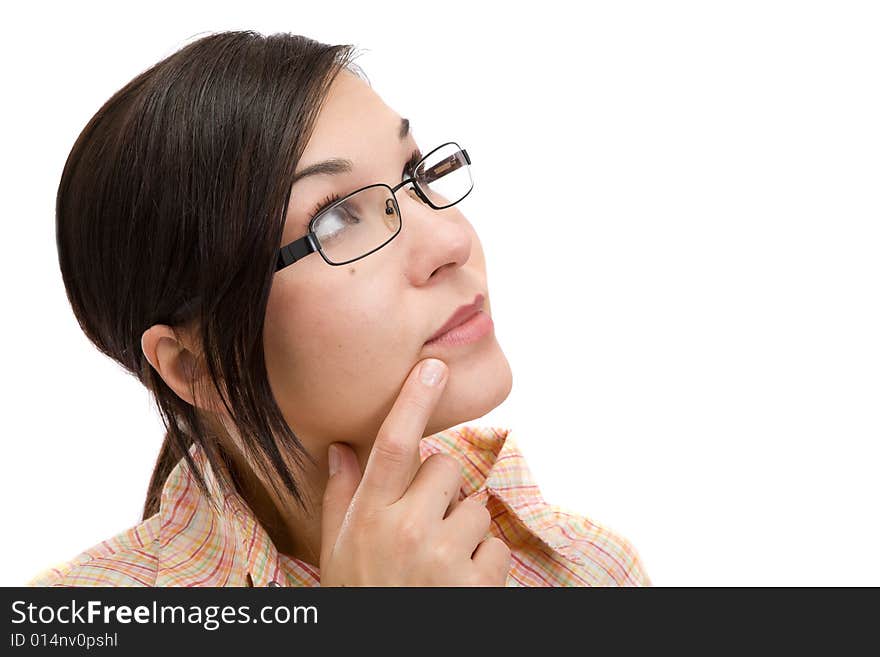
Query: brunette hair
169, 211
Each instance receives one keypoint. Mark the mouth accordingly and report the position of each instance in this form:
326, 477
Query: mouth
466, 324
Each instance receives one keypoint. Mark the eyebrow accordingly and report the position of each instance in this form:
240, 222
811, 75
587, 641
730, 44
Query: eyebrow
339, 165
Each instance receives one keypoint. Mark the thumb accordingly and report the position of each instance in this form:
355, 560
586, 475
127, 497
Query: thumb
345, 476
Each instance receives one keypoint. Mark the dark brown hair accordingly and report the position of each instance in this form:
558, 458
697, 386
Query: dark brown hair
169, 211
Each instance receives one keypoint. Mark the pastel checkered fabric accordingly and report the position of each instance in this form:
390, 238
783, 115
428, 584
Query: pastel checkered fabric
186, 543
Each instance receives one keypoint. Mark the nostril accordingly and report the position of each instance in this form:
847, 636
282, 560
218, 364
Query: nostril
442, 268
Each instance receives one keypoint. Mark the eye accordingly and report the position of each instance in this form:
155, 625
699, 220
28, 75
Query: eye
323, 205
411, 163
407, 171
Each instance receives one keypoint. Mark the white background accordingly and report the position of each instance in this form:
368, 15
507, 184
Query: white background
679, 206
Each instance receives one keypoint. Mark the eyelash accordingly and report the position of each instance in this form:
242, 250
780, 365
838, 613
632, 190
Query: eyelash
323, 205
331, 198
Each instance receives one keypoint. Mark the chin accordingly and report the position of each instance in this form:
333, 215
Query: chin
475, 387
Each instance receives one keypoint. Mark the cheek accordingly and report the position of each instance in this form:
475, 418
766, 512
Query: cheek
332, 350
333, 321
305, 325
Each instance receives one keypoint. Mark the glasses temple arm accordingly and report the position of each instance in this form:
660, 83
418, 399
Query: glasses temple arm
295, 250
446, 165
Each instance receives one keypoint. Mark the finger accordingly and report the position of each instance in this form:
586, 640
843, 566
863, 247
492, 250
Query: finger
338, 494
469, 523
456, 500
435, 486
394, 458
493, 556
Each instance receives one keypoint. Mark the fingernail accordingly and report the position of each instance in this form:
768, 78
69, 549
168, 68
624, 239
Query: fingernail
333, 456
431, 372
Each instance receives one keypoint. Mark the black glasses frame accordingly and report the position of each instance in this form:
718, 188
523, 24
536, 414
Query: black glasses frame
308, 243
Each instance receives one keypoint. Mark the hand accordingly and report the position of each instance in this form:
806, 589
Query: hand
401, 523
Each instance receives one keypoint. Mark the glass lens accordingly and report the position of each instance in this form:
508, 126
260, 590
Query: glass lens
445, 175
358, 224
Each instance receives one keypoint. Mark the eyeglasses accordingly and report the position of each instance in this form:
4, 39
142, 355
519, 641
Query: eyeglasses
362, 222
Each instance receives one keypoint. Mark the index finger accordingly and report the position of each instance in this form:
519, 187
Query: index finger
394, 458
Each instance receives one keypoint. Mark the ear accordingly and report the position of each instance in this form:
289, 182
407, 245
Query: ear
175, 358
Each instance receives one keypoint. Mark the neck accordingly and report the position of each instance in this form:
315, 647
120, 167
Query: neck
294, 529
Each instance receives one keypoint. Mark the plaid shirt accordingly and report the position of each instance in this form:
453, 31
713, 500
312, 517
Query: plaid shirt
186, 543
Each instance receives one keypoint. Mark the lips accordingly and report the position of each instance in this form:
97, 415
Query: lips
460, 316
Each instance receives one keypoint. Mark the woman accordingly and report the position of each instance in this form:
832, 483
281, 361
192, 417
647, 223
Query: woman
230, 228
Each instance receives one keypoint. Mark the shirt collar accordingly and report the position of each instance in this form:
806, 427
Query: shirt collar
200, 547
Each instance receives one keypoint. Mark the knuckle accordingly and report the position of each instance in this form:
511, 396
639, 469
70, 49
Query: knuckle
443, 554
418, 404
504, 559
499, 546
479, 512
410, 532
483, 513
497, 563
449, 463
391, 449
497, 552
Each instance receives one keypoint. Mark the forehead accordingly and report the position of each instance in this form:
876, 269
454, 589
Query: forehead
352, 121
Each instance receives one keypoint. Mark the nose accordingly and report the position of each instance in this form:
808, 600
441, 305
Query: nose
435, 240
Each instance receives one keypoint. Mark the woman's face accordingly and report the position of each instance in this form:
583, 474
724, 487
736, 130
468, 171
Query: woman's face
340, 340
